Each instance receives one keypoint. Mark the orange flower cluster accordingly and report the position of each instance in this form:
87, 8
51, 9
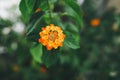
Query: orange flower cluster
15, 68
51, 36
95, 22
38, 10
115, 27
43, 69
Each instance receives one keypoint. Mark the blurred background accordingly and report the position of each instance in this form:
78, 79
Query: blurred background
97, 59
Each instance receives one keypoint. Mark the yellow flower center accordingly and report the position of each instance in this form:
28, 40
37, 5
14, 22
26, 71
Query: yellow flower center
53, 36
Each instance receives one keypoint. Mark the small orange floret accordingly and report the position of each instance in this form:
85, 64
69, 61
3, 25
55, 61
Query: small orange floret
15, 68
38, 10
43, 69
51, 36
115, 27
43, 28
49, 47
40, 40
95, 22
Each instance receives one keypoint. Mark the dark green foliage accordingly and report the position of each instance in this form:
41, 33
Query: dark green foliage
46, 16
88, 53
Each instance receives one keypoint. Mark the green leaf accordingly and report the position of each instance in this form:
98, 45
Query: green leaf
43, 5
73, 6
34, 24
34, 35
72, 41
71, 59
30, 4
24, 10
49, 58
71, 27
53, 1
36, 53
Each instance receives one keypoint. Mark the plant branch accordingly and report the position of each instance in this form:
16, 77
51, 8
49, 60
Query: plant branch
50, 10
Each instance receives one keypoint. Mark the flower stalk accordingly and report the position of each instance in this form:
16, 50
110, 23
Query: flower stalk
50, 10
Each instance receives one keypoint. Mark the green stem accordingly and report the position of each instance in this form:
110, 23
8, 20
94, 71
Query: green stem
50, 10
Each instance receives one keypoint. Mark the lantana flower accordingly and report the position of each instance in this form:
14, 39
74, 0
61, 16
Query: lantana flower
38, 10
95, 22
51, 36
15, 68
